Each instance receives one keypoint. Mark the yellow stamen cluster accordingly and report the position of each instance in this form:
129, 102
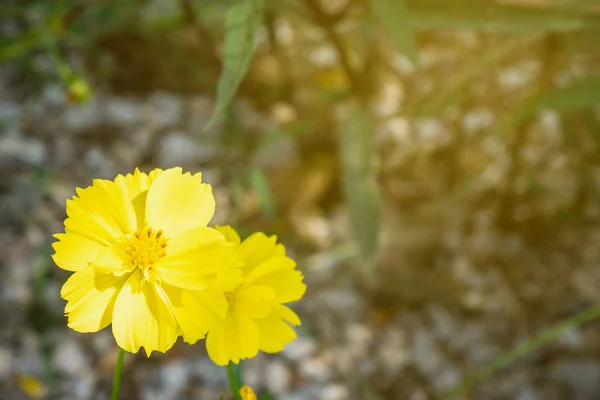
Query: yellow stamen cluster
146, 248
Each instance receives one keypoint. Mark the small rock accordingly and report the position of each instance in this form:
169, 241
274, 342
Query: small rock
443, 323
10, 114
582, 375
299, 349
83, 116
446, 379
5, 363
426, 355
316, 369
174, 377
394, 352
312, 392
178, 149
98, 163
210, 374
16, 148
277, 377
122, 112
335, 391
70, 358
528, 394
165, 110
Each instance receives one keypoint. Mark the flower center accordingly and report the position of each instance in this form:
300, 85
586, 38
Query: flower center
230, 297
145, 249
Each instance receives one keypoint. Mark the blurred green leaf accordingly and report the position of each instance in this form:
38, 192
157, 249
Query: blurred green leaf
359, 181
581, 94
242, 22
495, 16
394, 17
261, 187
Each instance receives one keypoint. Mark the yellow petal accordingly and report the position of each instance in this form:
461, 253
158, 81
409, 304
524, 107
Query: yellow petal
229, 233
74, 252
196, 257
134, 184
279, 274
136, 187
247, 393
142, 319
275, 333
177, 202
255, 301
196, 311
258, 248
234, 340
101, 212
228, 280
114, 261
286, 314
90, 299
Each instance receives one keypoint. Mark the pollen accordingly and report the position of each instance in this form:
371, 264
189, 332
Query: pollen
146, 248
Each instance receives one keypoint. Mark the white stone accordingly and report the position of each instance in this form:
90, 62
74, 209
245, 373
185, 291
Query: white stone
278, 378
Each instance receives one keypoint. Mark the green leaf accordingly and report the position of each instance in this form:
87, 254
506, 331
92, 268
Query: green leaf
242, 22
359, 181
394, 17
581, 94
261, 187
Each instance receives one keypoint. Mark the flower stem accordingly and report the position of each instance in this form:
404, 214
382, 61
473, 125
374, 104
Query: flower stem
234, 382
117, 375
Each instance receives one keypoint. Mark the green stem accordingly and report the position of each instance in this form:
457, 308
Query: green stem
234, 383
523, 349
117, 375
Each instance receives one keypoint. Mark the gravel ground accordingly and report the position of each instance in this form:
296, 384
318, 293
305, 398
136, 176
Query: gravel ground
456, 283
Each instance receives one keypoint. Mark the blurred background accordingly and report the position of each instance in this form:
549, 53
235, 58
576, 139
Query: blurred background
432, 165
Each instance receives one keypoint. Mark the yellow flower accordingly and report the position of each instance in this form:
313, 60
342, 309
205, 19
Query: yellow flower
257, 317
144, 259
247, 393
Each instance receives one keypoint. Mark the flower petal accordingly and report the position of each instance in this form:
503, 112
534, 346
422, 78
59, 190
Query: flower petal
196, 311
259, 247
90, 299
74, 252
177, 202
255, 301
235, 339
279, 274
196, 257
229, 234
142, 319
101, 212
112, 260
136, 187
275, 333
134, 184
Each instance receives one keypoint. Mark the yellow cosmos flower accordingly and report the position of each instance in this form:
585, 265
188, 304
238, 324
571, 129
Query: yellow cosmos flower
144, 259
257, 317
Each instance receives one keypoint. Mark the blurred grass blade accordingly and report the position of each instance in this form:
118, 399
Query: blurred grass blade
394, 17
522, 350
581, 94
495, 17
359, 181
261, 187
242, 22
